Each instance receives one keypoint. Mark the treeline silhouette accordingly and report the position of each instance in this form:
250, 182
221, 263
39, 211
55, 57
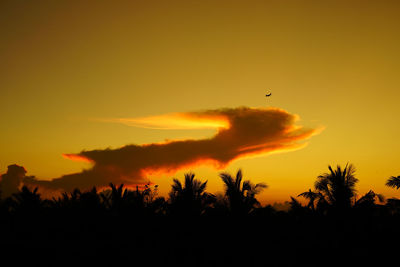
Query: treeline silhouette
193, 227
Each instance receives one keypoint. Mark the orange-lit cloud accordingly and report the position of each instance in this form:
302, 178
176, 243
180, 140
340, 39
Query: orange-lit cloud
191, 120
76, 157
241, 132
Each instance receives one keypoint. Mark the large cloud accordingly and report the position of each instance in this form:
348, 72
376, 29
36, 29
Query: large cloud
10, 182
241, 132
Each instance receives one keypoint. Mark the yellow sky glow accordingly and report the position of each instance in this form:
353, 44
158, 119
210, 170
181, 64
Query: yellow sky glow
334, 63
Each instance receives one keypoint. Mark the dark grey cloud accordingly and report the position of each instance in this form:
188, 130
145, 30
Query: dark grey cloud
11, 181
250, 131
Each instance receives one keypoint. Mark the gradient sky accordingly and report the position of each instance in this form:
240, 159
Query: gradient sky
68, 66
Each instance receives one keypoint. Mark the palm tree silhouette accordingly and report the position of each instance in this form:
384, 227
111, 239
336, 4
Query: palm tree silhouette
369, 199
296, 208
338, 186
393, 182
27, 201
122, 201
88, 203
241, 196
190, 198
117, 200
393, 203
367, 204
311, 196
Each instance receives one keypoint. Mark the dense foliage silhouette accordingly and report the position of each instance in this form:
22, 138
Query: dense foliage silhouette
190, 198
241, 195
196, 228
337, 187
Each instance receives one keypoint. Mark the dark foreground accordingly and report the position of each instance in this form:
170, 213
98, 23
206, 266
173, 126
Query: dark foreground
275, 239
195, 228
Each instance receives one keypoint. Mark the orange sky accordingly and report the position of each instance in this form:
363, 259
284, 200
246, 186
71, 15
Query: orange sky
67, 68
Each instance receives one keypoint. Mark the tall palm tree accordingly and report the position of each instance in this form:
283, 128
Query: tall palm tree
393, 182
241, 196
189, 198
338, 186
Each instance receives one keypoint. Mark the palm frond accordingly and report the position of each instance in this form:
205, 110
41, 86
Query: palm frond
381, 198
393, 182
177, 186
239, 177
227, 179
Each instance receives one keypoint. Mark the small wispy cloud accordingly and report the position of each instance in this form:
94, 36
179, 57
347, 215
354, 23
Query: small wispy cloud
177, 121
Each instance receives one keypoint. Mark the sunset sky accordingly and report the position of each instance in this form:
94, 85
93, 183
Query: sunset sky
90, 75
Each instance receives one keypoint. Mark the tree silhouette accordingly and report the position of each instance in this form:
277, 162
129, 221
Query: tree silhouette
67, 200
338, 187
311, 196
90, 202
393, 182
116, 200
241, 196
296, 209
27, 201
115, 222
146, 201
393, 204
370, 197
190, 198
122, 201
154, 205
367, 203
87, 204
